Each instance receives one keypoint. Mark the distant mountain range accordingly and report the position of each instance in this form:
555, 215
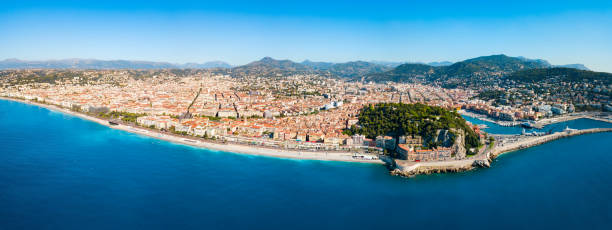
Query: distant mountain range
268, 66
440, 63
271, 67
206, 65
396, 64
468, 72
102, 64
574, 66
563, 74
388, 63
547, 64
357, 69
318, 65
471, 71
463, 72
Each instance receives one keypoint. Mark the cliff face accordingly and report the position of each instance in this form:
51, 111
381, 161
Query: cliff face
444, 137
459, 145
453, 138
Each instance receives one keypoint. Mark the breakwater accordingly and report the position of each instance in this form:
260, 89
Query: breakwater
527, 142
586, 115
409, 169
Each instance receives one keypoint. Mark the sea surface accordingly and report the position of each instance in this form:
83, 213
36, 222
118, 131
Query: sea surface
63, 172
581, 123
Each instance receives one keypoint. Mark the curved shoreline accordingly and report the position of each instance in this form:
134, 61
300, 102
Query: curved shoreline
229, 147
398, 167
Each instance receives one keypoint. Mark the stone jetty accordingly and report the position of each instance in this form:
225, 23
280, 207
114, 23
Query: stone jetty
409, 169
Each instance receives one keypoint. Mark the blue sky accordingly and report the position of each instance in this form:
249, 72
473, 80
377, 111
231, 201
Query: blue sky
238, 32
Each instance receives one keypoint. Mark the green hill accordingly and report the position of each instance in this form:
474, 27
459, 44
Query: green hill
406, 73
269, 66
491, 64
356, 69
397, 119
561, 75
464, 72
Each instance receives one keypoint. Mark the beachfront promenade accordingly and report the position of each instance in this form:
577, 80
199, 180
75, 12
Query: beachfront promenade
503, 144
226, 147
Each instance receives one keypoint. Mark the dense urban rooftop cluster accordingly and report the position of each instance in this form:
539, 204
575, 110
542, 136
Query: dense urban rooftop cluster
300, 110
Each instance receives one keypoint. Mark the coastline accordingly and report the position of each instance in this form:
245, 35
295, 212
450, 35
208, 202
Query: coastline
397, 167
527, 142
229, 147
483, 160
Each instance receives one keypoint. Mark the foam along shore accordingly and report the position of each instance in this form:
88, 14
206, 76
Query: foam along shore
229, 147
484, 159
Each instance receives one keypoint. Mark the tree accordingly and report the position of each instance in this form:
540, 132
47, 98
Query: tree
397, 119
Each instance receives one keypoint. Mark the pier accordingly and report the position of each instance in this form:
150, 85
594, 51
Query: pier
504, 144
521, 142
598, 116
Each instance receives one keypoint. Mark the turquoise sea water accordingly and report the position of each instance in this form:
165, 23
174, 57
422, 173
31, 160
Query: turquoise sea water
62, 172
574, 124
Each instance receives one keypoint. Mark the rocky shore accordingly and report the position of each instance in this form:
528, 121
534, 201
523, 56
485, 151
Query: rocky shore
429, 169
483, 160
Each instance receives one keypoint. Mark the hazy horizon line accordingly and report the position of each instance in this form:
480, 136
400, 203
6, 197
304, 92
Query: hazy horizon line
280, 59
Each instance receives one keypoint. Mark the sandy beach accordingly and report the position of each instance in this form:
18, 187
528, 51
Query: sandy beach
317, 155
229, 147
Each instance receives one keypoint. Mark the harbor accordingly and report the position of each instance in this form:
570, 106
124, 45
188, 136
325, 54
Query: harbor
504, 143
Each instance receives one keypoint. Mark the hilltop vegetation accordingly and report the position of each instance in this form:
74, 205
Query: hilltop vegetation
405, 73
462, 73
560, 74
271, 67
397, 119
486, 71
357, 69
476, 73
491, 64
